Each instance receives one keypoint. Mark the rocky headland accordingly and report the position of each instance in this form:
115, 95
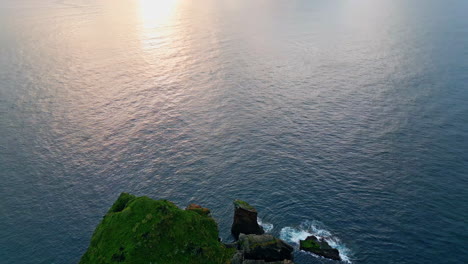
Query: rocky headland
142, 230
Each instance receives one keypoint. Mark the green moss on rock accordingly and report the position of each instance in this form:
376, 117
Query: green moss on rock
141, 230
319, 247
244, 205
309, 245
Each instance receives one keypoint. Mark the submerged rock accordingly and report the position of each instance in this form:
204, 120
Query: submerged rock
245, 220
319, 247
264, 247
141, 230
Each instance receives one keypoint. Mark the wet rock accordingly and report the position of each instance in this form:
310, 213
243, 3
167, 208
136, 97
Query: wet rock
245, 220
264, 247
319, 247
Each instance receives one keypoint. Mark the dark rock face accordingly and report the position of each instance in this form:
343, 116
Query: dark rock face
245, 220
253, 246
319, 247
265, 248
238, 258
231, 245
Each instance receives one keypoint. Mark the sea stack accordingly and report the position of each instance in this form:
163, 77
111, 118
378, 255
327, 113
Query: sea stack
253, 246
245, 220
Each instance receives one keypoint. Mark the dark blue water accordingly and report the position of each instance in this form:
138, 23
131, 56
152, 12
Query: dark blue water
346, 119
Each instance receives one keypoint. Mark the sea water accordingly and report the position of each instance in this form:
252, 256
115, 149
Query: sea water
342, 119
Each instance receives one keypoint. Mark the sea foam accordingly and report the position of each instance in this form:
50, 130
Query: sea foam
267, 227
315, 228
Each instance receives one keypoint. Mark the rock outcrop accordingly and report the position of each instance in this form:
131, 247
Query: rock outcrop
140, 230
255, 247
197, 208
245, 220
264, 247
319, 247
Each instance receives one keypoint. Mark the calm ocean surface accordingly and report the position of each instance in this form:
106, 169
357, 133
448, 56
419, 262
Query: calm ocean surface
341, 118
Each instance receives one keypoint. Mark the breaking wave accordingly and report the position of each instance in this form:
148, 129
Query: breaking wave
267, 227
315, 228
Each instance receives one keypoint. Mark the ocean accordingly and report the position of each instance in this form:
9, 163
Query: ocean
343, 119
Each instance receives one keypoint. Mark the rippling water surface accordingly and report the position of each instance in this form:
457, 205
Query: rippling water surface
344, 119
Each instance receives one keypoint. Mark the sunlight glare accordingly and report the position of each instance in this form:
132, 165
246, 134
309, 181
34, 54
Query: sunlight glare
156, 13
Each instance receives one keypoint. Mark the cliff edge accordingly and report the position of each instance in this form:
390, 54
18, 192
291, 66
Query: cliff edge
143, 230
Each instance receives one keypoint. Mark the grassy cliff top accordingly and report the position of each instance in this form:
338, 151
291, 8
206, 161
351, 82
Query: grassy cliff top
141, 230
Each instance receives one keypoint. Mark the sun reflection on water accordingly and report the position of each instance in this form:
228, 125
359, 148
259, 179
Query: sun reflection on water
156, 13
158, 28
